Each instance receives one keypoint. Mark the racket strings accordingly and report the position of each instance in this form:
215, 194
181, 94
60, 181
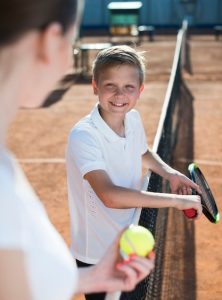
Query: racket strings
206, 196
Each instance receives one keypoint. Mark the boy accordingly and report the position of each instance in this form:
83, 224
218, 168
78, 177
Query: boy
104, 159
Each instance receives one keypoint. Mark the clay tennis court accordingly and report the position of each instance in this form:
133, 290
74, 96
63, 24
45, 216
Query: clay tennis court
38, 138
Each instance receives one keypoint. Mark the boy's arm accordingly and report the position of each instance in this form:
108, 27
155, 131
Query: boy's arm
179, 183
114, 196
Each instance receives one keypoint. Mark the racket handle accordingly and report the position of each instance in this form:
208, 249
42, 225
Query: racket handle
190, 213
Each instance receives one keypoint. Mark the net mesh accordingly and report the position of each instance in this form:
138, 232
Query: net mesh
163, 282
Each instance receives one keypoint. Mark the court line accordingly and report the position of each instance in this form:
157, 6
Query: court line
62, 161
201, 161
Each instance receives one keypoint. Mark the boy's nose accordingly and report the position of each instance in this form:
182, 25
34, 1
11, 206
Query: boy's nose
119, 92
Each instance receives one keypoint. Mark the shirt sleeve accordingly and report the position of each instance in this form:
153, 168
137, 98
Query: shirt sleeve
11, 223
85, 150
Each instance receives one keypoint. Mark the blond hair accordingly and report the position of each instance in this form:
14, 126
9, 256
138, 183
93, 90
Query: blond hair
119, 55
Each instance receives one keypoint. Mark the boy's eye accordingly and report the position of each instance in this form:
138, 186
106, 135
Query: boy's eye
129, 87
110, 85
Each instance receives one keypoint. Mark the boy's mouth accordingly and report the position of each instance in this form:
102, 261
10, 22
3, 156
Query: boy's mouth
118, 104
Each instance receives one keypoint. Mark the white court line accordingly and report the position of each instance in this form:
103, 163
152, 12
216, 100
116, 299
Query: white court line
201, 161
62, 161
41, 160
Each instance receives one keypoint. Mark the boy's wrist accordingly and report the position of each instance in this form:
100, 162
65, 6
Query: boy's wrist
175, 201
170, 172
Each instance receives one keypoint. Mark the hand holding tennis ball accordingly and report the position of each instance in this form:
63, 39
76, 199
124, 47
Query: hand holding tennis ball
136, 240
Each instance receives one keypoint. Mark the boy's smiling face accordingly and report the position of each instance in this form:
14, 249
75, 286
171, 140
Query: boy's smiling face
118, 89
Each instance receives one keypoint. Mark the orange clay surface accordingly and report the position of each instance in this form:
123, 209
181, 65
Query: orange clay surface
38, 139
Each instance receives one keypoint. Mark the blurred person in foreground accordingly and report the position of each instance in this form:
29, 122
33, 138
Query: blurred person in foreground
35, 263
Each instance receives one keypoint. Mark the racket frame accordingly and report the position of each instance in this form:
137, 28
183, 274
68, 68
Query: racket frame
193, 168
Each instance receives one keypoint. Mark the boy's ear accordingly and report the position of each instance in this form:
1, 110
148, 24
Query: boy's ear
141, 88
95, 89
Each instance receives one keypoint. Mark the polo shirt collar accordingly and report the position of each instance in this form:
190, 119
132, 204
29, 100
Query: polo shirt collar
104, 128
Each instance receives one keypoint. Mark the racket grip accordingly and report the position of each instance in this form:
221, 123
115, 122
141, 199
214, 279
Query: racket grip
190, 213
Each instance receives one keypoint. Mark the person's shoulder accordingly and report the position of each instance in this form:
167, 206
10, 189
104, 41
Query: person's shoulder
134, 116
84, 132
82, 127
133, 113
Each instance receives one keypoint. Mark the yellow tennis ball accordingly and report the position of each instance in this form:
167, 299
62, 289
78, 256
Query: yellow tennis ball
136, 240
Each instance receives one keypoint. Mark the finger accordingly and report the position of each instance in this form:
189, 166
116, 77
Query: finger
199, 189
142, 266
180, 192
199, 213
195, 186
147, 262
152, 255
189, 191
200, 209
184, 189
138, 261
130, 276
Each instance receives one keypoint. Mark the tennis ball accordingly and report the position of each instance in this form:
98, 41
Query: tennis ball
136, 240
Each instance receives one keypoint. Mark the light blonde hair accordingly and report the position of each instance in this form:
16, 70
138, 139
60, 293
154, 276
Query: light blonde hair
119, 55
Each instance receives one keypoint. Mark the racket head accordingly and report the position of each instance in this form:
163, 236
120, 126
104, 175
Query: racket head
207, 199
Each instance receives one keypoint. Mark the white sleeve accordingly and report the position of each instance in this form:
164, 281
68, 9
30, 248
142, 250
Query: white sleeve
84, 148
12, 231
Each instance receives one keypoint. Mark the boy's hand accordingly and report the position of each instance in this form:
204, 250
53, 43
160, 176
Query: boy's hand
182, 185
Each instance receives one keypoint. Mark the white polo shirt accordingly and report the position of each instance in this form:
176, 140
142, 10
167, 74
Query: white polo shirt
93, 145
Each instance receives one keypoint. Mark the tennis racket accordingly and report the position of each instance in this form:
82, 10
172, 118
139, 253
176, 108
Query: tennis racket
207, 200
